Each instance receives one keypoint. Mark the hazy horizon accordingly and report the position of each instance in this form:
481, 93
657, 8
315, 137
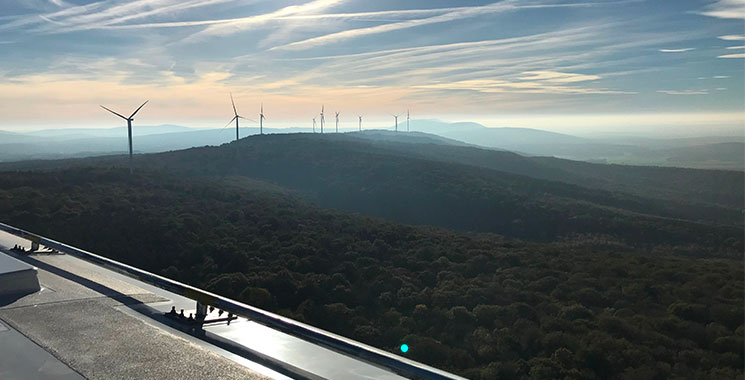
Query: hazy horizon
687, 129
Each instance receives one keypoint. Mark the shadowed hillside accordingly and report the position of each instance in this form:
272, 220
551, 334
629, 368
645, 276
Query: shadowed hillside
419, 184
340, 172
716, 187
711, 152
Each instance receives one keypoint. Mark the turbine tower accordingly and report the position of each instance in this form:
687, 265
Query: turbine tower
396, 117
407, 120
235, 118
322, 119
314, 125
360, 123
129, 129
261, 120
337, 122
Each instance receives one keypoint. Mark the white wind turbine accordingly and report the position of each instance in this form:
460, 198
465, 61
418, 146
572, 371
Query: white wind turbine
129, 129
396, 117
261, 120
337, 122
322, 119
360, 123
235, 118
314, 125
407, 120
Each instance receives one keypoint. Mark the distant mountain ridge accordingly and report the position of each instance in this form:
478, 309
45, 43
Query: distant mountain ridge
495, 137
140, 130
723, 152
623, 150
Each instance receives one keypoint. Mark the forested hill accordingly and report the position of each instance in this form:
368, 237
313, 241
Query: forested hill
415, 179
717, 187
474, 304
346, 173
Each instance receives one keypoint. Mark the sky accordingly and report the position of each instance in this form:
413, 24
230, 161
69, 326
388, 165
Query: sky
654, 67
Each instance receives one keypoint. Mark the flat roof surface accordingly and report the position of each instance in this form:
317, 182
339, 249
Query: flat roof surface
76, 319
24, 359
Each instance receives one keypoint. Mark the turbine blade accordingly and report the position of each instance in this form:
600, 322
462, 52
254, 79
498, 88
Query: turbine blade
251, 120
138, 108
114, 112
233, 103
230, 122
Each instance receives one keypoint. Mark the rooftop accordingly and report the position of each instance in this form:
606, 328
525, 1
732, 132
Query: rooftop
94, 323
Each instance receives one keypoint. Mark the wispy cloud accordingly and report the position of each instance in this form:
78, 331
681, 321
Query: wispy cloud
102, 14
684, 92
250, 21
581, 48
557, 77
507, 58
733, 37
23, 21
166, 8
728, 9
720, 76
676, 50
246, 23
458, 14
59, 3
353, 33
738, 55
735, 47
536, 82
44, 5
498, 86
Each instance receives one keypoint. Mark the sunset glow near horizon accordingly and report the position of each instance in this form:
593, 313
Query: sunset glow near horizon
586, 67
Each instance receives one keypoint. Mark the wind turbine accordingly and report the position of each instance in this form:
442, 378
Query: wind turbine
261, 120
235, 118
337, 122
322, 119
129, 129
314, 125
396, 117
360, 123
407, 120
